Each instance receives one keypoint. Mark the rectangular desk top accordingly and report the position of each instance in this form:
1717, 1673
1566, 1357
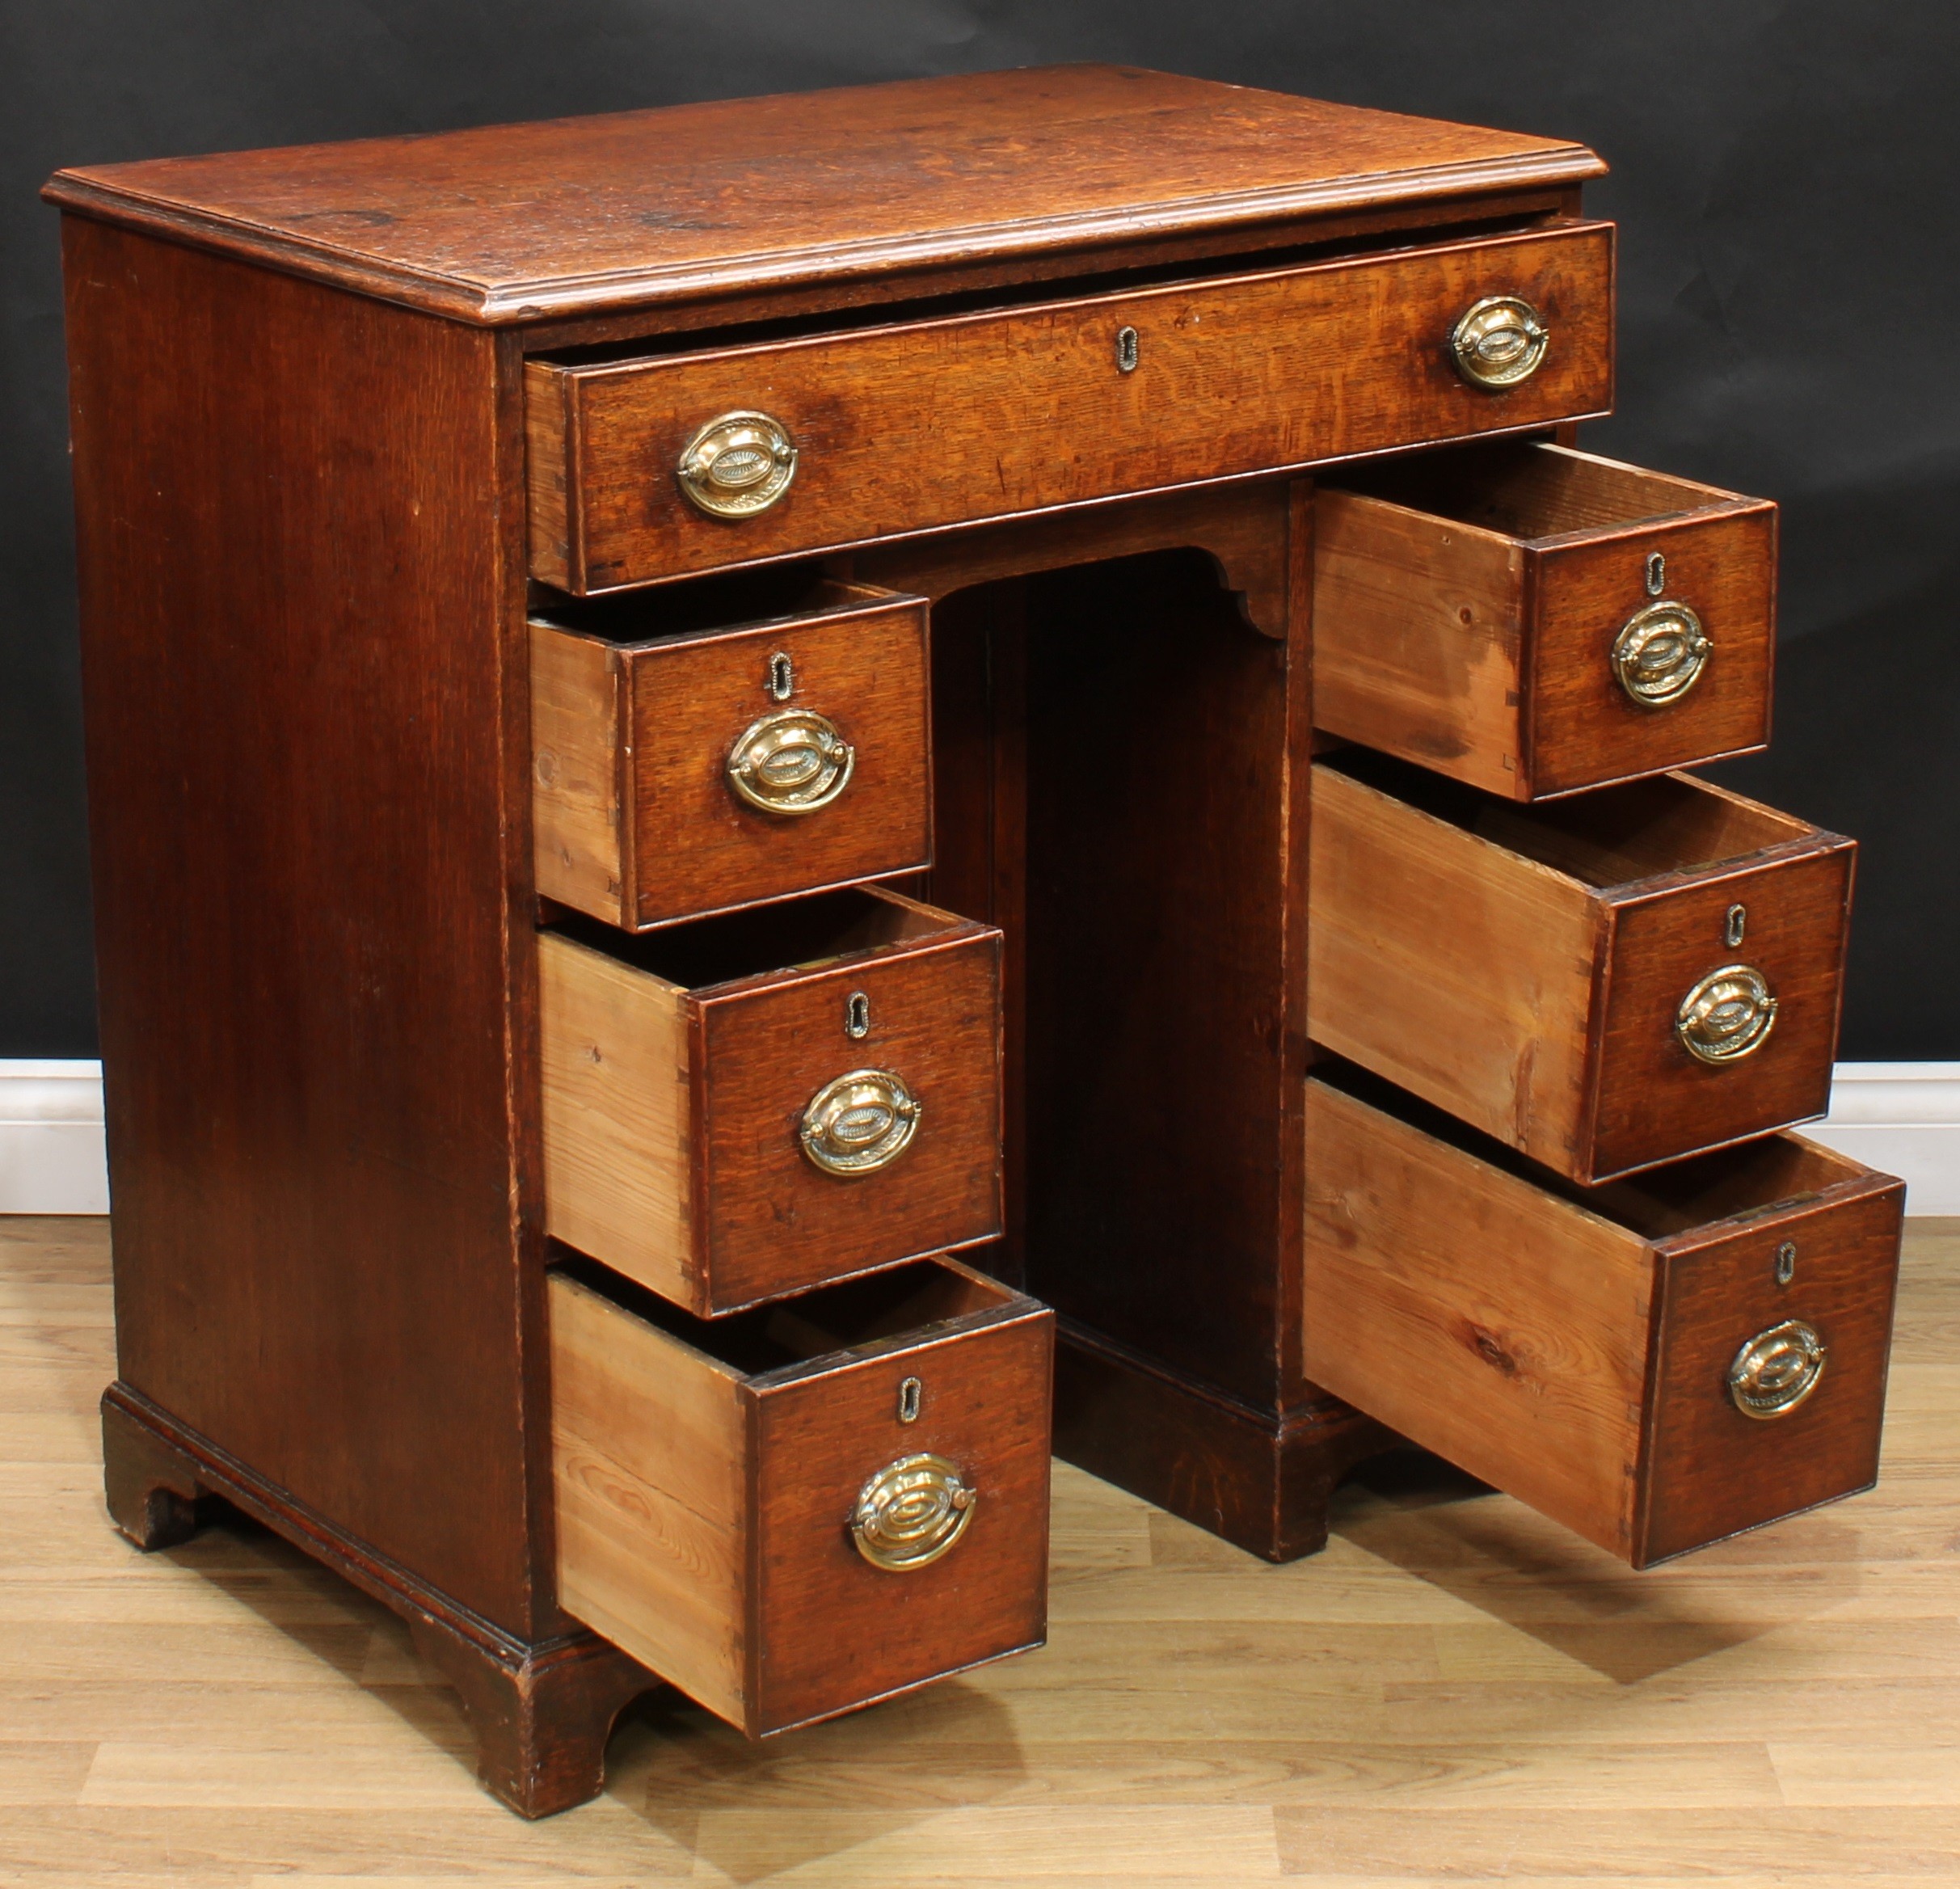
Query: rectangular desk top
580, 216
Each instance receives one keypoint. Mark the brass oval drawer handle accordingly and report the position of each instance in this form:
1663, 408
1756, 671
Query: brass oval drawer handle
1660, 654
1777, 1369
738, 464
792, 761
1500, 341
1727, 1016
858, 1123
911, 1513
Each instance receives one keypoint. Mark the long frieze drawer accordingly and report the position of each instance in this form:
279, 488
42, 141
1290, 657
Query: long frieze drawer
700, 749
1535, 621
748, 1107
801, 1510
1605, 983
1657, 1363
656, 467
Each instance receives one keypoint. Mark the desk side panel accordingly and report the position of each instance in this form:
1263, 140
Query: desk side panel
304, 694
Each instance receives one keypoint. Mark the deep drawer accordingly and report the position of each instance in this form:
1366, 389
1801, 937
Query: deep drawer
1606, 982
799, 1510
746, 1108
1657, 1365
685, 763
1534, 621
838, 439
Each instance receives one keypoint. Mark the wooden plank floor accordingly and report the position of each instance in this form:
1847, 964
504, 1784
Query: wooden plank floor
1456, 1691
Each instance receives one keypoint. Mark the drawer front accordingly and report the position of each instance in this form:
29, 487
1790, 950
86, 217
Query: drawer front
945, 422
1544, 1343
774, 1221
837, 1630
710, 1512
1504, 617
1452, 955
1592, 600
695, 1139
1656, 1099
652, 788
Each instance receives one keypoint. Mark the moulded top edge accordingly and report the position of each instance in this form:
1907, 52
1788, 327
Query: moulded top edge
508, 225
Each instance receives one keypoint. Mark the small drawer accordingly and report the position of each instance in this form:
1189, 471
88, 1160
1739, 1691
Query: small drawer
800, 1510
685, 761
1656, 1364
1606, 982
666, 464
746, 1108
1534, 621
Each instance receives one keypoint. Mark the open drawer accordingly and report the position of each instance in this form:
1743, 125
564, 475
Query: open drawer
1536, 621
745, 1107
802, 1509
1657, 1363
715, 745
703, 457
1606, 982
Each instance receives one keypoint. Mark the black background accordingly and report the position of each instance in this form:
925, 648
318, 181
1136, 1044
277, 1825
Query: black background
1784, 175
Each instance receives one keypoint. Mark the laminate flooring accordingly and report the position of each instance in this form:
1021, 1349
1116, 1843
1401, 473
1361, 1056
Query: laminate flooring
1456, 1691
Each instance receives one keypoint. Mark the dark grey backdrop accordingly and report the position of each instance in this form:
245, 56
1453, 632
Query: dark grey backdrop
1785, 176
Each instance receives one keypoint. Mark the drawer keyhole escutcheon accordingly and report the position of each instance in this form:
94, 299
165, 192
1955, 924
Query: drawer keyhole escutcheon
1126, 350
1776, 1370
909, 1393
858, 1123
1499, 342
782, 678
1660, 653
911, 1513
738, 464
1786, 1262
857, 1016
792, 761
1727, 1016
1734, 925
1656, 573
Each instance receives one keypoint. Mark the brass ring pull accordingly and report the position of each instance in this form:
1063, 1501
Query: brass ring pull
738, 464
859, 1123
1727, 1016
911, 1513
792, 761
1777, 1369
1499, 342
1660, 654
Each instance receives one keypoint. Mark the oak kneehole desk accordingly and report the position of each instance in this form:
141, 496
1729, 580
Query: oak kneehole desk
719, 918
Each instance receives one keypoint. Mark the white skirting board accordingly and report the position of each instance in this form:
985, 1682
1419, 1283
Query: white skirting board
51, 1159
1902, 1117
1905, 1118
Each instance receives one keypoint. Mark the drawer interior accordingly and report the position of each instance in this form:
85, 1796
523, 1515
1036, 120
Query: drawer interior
700, 606
1531, 491
709, 1476
800, 934
1614, 835
1770, 1175
1579, 1347
821, 1329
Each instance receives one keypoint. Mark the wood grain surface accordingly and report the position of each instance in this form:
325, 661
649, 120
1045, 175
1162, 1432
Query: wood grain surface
636, 709
1523, 968
1244, 529
1556, 1344
677, 1066
707, 1473
583, 215
1466, 605
1456, 1688
307, 743
918, 425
